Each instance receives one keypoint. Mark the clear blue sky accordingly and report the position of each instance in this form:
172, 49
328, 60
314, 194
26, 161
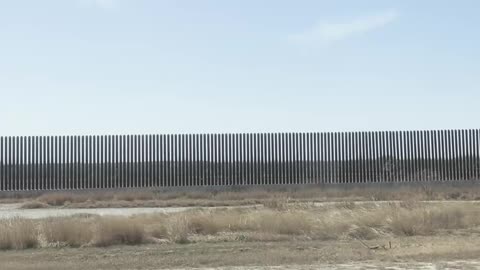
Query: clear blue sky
123, 66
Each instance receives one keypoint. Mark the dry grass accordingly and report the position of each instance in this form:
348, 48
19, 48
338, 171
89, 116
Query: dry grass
178, 229
95, 231
342, 221
56, 199
18, 233
277, 203
426, 221
70, 231
436, 252
230, 198
34, 205
117, 231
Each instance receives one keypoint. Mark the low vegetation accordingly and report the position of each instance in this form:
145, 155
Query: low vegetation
109, 199
34, 205
272, 222
18, 233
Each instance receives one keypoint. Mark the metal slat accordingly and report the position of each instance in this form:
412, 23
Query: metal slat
359, 157
435, 155
20, 165
32, 162
400, 156
408, 156
116, 163
477, 155
457, 155
238, 159
328, 157
249, 159
348, 157
230, 159
124, 176
151, 154
255, 159
135, 160
463, 159
446, 162
470, 154
84, 162
2, 164
181, 159
461, 140
378, 156
16, 163
159, 161
188, 143
262, 145
69, 161
208, 159
275, 169
282, 158
222, 161
442, 161
200, 159
356, 157
5, 163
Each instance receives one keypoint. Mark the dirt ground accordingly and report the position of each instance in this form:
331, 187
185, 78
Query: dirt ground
450, 251
449, 247
15, 210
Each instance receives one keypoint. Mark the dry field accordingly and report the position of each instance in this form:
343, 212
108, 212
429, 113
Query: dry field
133, 199
286, 232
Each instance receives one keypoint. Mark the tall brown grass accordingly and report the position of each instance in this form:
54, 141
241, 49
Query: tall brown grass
117, 231
229, 198
34, 205
68, 231
426, 221
341, 221
18, 233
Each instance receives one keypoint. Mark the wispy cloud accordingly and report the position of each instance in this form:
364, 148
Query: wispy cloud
104, 4
328, 32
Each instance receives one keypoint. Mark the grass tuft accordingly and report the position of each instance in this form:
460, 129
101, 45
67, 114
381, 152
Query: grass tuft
18, 233
116, 231
69, 231
337, 221
34, 205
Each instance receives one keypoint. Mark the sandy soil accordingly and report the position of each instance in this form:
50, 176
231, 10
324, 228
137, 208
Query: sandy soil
14, 210
458, 249
361, 266
433, 252
58, 212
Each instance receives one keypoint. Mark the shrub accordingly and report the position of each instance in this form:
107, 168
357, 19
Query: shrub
178, 229
362, 232
203, 224
425, 221
18, 233
73, 232
55, 199
117, 230
158, 231
34, 205
293, 223
276, 204
134, 195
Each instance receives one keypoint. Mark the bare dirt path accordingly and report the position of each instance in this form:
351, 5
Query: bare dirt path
14, 210
59, 212
369, 265
434, 252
